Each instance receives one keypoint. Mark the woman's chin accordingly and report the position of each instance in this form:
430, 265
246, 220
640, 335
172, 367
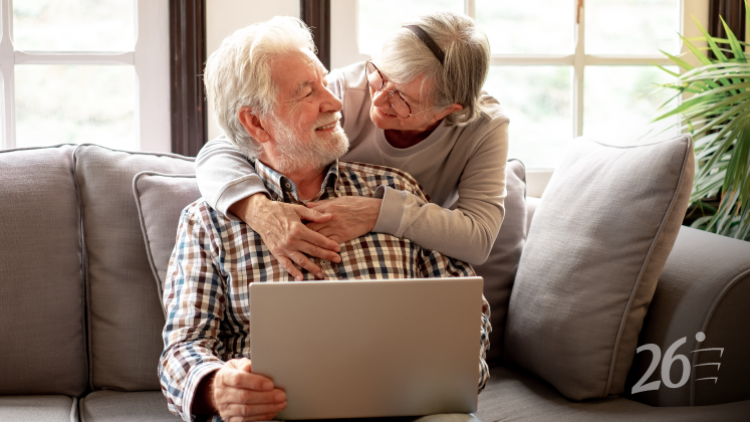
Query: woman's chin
383, 120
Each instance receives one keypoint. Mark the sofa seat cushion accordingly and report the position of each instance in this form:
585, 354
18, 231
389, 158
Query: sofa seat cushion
117, 406
515, 395
43, 347
38, 409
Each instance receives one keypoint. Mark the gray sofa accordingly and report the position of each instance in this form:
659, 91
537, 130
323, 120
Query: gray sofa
81, 317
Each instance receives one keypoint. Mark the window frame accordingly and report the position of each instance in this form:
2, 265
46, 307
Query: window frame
578, 60
149, 57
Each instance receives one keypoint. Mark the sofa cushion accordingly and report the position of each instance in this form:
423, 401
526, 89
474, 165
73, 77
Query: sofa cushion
596, 246
38, 408
43, 347
499, 270
125, 313
515, 395
160, 199
116, 406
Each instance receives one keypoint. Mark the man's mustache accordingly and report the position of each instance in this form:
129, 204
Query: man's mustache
327, 119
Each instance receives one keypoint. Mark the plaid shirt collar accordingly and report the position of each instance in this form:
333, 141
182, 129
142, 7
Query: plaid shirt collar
283, 189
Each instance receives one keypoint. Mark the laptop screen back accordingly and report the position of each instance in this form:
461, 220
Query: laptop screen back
347, 349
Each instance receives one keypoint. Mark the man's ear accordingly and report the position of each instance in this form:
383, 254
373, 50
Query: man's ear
253, 125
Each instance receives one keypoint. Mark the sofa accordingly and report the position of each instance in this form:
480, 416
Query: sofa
82, 317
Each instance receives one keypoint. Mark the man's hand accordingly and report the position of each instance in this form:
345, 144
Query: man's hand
238, 395
281, 227
352, 217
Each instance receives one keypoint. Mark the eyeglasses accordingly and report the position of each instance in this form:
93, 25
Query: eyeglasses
378, 81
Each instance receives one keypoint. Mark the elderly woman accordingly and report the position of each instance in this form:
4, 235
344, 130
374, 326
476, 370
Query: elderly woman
419, 108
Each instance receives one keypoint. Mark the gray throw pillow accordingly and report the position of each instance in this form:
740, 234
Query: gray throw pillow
596, 246
499, 270
160, 199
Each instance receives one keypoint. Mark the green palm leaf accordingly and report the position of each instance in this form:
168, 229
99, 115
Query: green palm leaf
717, 115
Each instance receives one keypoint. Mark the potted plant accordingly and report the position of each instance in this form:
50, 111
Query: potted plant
717, 115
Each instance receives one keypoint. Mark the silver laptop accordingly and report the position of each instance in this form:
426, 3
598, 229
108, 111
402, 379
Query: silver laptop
369, 348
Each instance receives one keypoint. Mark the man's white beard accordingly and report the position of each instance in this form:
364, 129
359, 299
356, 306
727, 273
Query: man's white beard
305, 149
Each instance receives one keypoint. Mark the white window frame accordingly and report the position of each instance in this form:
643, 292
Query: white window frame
150, 58
579, 60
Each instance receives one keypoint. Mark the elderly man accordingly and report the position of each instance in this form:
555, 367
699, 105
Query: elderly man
266, 80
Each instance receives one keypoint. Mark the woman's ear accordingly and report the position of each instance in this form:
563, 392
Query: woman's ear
448, 110
253, 125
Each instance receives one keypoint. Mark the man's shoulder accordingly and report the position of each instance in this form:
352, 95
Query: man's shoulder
378, 175
200, 211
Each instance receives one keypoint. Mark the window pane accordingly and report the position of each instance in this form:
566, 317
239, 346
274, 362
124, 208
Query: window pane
379, 19
74, 25
537, 99
632, 26
619, 102
75, 103
513, 27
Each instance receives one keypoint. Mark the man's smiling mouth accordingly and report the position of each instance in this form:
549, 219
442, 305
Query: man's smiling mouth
328, 126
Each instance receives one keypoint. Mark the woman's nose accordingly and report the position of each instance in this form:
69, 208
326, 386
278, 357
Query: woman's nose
380, 98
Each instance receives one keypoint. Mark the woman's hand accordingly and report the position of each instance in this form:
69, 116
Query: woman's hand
281, 227
352, 217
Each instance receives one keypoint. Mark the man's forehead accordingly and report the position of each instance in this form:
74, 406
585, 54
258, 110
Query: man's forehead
293, 71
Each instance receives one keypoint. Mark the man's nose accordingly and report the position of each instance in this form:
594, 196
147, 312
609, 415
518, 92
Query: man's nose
330, 103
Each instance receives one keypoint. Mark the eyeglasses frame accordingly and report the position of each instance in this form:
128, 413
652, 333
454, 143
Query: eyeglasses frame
390, 91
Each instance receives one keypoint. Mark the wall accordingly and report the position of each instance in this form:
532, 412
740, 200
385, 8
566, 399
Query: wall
223, 17
344, 34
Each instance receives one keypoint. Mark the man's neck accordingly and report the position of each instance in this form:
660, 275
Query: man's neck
307, 180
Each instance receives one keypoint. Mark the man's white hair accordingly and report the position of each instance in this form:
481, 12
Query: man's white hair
238, 74
459, 80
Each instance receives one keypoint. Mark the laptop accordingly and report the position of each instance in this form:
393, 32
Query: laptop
369, 348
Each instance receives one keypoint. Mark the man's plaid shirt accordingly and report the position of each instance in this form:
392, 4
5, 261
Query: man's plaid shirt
215, 259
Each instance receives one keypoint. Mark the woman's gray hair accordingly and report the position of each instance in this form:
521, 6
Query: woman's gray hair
238, 74
461, 77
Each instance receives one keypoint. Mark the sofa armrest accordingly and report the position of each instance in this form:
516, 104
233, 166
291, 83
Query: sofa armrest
705, 288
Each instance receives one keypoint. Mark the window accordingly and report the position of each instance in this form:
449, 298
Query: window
561, 68
94, 71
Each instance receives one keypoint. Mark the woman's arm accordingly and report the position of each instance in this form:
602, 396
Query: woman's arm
466, 233
225, 176
228, 182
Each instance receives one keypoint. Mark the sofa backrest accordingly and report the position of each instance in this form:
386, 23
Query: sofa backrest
43, 349
125, 316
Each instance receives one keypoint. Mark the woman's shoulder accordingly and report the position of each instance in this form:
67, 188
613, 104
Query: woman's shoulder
349, 77
489, 129
491, 111
491, 123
